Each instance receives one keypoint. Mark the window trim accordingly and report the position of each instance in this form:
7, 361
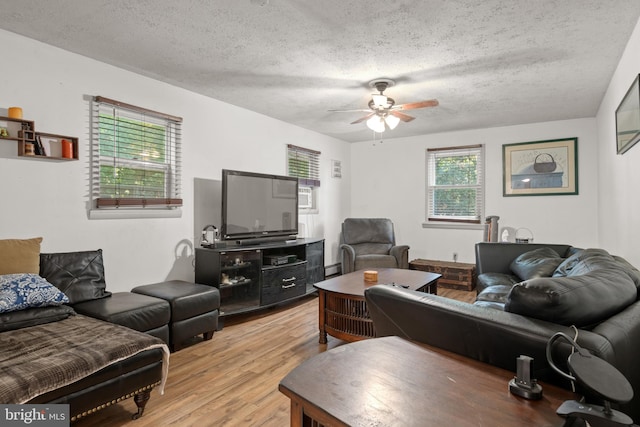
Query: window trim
166, 206
312, 181
461, 223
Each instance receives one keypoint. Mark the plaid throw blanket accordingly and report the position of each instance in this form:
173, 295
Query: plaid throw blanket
42, 358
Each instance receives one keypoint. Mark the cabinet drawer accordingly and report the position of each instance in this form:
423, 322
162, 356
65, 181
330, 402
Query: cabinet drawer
281, 283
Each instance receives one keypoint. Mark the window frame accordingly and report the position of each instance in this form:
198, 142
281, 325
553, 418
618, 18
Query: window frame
111, 203
309, 178
455, 221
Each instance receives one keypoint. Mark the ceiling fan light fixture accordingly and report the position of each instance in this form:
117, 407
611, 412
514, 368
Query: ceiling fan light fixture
379, 100
392, 121
376, 123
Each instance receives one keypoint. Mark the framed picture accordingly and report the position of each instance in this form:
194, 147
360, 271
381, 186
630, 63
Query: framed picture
336, 169
628, 119
540, 168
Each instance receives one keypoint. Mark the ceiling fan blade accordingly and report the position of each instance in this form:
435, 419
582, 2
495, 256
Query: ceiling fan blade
419, 104
402, 116
360, 110
362, 119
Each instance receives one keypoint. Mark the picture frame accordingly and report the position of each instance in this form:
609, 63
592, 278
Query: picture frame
628, 118
540, 168
336, 169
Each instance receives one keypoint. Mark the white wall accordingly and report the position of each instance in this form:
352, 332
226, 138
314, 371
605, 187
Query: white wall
619, 204
50, 199
388, 180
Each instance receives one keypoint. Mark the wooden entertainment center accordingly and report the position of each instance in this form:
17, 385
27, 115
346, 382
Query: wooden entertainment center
255, 276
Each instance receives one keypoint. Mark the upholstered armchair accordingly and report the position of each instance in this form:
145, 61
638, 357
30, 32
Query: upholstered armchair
371, 243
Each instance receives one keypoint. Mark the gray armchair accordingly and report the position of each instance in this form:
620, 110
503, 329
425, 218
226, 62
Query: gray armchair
371, 243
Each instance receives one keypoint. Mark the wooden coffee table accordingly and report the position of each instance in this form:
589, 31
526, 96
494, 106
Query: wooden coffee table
394, 382
343, 311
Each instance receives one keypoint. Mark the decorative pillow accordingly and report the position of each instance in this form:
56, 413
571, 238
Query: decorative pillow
540, 262
34, 316
580, 300
20, 256
80, 275
20, 291
575, 265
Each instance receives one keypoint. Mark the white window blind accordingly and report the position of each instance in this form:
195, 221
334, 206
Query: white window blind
304, 164
455, 184
135, 157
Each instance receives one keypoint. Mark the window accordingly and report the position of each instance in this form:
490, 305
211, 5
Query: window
304, 164
455, 184
135, 157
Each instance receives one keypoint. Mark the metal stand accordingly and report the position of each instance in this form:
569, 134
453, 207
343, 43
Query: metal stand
601, 380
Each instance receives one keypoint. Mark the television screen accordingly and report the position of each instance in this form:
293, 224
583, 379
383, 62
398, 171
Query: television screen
258, 205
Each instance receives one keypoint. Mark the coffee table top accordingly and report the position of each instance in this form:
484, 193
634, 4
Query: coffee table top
394, 382
354, 283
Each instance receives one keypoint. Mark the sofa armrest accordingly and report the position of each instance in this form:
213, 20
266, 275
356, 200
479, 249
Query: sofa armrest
401, 254
348, 258
484, 334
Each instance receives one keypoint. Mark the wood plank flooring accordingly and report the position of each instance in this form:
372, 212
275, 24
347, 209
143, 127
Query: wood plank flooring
233, 379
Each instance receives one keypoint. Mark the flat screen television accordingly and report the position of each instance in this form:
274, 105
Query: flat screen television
258, 206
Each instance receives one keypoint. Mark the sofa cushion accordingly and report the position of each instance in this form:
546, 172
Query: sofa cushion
575, 265
496, 293
140, 312
486, 280
26, 290
493, 305
33, 316
20, 256
541, 262
375, 261
80, 275
633, 272
603, 290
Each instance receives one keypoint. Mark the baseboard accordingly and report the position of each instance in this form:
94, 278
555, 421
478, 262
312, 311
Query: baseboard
332, 270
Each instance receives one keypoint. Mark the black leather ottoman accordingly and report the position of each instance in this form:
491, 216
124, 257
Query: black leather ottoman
140, 312
194, 308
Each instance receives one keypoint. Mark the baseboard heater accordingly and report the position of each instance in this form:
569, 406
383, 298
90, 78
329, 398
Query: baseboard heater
332, 270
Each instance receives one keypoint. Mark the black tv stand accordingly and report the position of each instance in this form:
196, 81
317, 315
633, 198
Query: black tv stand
248, 277
268, 239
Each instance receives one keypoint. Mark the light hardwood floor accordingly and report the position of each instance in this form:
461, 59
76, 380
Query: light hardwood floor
233, 379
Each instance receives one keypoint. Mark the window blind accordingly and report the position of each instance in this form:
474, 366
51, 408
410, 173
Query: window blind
455, 184
304, 164
136, 156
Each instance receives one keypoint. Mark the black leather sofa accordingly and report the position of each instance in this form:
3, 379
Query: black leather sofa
81, 276
175, 312
587, 293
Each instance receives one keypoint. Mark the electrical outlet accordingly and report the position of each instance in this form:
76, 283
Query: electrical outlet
455, 256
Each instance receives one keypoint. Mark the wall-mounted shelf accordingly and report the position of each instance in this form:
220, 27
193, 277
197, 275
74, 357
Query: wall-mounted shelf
26, 135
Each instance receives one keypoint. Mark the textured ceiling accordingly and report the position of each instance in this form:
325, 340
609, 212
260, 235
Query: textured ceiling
488, 62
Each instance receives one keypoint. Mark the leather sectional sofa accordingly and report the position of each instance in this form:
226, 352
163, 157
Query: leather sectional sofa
526, 294
120, 362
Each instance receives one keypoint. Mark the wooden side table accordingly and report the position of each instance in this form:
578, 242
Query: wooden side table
455, 275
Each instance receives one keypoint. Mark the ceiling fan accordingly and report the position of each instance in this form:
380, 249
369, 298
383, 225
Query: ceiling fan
383, 111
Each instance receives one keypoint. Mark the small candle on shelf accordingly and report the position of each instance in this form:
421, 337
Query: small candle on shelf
29, 149
67, 149
15, 112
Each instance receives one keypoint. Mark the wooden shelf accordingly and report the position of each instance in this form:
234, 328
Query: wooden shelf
26, 134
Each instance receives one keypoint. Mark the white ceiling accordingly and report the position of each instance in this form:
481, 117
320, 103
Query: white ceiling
488, 62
